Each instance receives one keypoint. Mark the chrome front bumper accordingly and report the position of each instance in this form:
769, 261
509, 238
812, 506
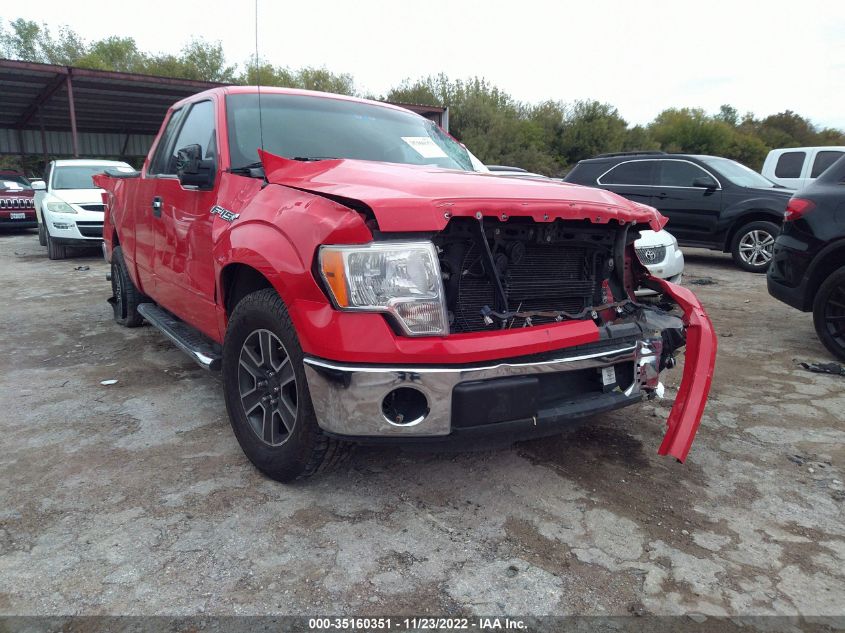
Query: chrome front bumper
348, 399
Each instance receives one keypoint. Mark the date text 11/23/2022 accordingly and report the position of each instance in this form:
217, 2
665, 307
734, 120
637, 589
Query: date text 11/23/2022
415, 624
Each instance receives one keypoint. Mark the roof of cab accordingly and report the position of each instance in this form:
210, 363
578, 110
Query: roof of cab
268, 90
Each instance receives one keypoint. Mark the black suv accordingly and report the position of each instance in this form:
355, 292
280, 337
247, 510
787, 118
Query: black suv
808, 269
711, 202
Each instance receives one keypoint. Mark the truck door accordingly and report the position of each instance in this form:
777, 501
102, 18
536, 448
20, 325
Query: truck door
181, 222
143, 251
692, 208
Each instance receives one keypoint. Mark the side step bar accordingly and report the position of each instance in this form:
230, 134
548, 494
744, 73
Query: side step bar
205, 352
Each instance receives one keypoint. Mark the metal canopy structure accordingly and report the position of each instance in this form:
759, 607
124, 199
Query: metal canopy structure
52, 110
44, 100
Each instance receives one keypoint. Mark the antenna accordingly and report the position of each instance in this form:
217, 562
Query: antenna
258, 81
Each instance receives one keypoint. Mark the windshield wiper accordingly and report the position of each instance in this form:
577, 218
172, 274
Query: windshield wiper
308, 159
254, 170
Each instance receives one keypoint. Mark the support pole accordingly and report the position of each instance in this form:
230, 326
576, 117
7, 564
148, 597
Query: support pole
73, 134
43, 139
21, 151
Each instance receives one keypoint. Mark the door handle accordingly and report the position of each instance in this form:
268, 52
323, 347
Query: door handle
157, 206
662, 195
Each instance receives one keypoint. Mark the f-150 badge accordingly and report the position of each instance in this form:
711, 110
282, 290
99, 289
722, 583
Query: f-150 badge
224, 214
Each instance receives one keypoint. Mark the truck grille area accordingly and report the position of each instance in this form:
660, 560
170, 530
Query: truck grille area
542, 268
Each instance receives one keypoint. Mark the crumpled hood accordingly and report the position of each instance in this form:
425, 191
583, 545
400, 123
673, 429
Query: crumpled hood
423, 198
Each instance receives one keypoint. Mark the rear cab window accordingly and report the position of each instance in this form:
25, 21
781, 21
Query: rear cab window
790, 164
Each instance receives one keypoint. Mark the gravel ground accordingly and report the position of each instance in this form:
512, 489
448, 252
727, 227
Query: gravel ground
135, 498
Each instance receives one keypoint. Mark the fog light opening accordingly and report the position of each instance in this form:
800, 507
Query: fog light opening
404, 407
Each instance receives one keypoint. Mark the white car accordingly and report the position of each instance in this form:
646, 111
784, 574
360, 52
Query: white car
659, 252
69, 206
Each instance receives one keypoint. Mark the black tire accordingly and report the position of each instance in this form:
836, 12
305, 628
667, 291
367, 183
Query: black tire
54, 250
125, 295
294, 447
829, 313
752, 245
42, 234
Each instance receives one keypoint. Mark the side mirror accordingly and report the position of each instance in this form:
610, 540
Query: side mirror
192, 169
705, 182
39, 185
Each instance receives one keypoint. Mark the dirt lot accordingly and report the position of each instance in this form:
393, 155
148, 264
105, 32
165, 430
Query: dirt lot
135, 498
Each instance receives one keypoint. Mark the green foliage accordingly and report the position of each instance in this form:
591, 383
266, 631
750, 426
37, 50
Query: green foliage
548, 137
307, 78
591, 128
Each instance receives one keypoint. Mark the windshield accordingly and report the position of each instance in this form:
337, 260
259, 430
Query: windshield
738, 174
14, 182
76, 176
314, 128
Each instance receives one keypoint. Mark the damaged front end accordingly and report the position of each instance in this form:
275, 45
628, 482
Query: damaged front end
521, 273
543, 329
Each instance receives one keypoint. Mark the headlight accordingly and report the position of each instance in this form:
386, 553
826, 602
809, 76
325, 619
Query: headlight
60, 207
400, 278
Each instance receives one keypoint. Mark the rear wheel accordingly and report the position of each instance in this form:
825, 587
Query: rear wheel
126, 295
753, 245
267, 397
829, 313
54, 250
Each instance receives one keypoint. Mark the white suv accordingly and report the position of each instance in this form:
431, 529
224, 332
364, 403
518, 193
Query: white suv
69, 205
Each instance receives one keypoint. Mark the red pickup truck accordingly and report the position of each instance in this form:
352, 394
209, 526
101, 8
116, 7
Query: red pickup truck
354, 279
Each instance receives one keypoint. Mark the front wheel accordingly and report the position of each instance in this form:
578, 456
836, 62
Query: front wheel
55, 250
267, 397
753, 245
829, 313
42, 234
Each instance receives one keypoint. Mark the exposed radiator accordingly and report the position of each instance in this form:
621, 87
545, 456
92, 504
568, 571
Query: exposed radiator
549, 277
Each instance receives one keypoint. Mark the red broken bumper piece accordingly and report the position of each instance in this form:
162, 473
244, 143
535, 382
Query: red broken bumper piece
700, 359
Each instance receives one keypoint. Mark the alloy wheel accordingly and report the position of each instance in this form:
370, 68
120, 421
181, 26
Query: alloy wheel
755, 247
267, 387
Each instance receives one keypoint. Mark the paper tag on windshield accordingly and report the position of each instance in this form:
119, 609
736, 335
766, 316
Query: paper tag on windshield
425, 146
608, 376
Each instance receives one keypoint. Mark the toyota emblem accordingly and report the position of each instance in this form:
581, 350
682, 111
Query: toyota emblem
650, 255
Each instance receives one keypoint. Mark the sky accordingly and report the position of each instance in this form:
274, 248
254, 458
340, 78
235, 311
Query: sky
642, 56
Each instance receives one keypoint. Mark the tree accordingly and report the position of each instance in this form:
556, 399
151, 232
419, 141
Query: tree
591, 128
728, 114
114, 53
206, 61
690, 130
308, 78
546, 137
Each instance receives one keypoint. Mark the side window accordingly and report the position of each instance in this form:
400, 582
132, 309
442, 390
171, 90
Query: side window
159, 161
824, 159
790, 164
678, 173
636, 172
198, 129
